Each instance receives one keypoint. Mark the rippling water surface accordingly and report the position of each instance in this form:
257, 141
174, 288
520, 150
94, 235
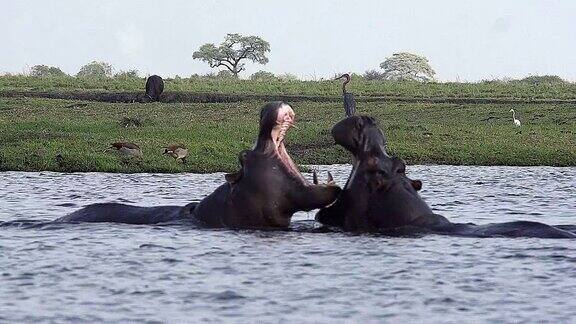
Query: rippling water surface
118, 273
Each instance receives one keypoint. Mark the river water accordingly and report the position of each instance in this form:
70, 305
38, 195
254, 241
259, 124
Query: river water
121, 273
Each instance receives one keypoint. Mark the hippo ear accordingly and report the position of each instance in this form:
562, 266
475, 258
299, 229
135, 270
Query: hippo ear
359, 135
233, 178
416, 184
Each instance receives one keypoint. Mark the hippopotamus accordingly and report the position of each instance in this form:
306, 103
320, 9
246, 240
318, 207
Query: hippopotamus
154, 88
263, 194
268, 189
378, 195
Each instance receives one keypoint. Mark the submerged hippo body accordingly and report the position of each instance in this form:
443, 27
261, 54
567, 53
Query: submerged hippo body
265, 193
154, 88
378, 195
128, 214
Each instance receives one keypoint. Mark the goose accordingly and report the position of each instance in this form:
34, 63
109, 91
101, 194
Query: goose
177, 151
127, 149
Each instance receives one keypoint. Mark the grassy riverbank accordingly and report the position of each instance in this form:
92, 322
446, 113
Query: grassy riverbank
34, 131
359, 86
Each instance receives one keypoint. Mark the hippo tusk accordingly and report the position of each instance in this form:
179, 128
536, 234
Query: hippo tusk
330, 178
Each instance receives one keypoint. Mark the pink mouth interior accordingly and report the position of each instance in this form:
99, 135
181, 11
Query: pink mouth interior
284, 121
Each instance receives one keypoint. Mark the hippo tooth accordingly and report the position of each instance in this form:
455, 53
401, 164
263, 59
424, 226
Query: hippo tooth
330, 178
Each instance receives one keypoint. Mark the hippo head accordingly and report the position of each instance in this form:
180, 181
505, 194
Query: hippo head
378, 194
269, 186
276, 118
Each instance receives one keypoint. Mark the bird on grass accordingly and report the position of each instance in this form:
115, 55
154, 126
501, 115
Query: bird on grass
59, 160
128, 149
516, 121
177, 151
349, 101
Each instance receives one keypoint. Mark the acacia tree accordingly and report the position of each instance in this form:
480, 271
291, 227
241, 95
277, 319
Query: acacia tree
407, 66
234, 49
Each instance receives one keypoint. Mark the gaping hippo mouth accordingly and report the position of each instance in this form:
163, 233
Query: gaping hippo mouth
284, 121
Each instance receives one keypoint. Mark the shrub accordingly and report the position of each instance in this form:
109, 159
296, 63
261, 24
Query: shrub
373, 75
287, 77
225, 75
542, 79
263, 76
130, 74
46, 71
95, 70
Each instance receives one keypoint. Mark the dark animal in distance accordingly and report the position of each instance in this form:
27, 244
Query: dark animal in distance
349, 101
154, 88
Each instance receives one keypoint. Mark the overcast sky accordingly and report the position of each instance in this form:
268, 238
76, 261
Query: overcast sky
463, 40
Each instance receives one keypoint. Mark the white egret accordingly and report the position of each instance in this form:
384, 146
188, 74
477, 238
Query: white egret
516, 121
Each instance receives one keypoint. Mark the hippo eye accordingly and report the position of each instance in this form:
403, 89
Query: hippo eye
380, 173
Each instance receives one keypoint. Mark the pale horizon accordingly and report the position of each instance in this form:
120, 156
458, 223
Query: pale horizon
463, 40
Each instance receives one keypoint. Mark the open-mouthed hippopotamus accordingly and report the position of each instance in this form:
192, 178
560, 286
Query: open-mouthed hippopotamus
265, 193
154, 88
379, 196
268, 189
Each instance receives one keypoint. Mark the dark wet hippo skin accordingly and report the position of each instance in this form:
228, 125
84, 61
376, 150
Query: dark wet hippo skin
268, 189
128, 214
265, 193
154, 88
378, 195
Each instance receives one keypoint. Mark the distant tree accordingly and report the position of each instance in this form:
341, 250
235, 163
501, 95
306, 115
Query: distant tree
130, 74
263, 76
542, 79
95, 70
407, 66
373, 75
46, 71
235, 49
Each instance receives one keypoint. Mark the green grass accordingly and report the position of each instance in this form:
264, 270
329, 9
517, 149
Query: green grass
498, 90
34, 131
